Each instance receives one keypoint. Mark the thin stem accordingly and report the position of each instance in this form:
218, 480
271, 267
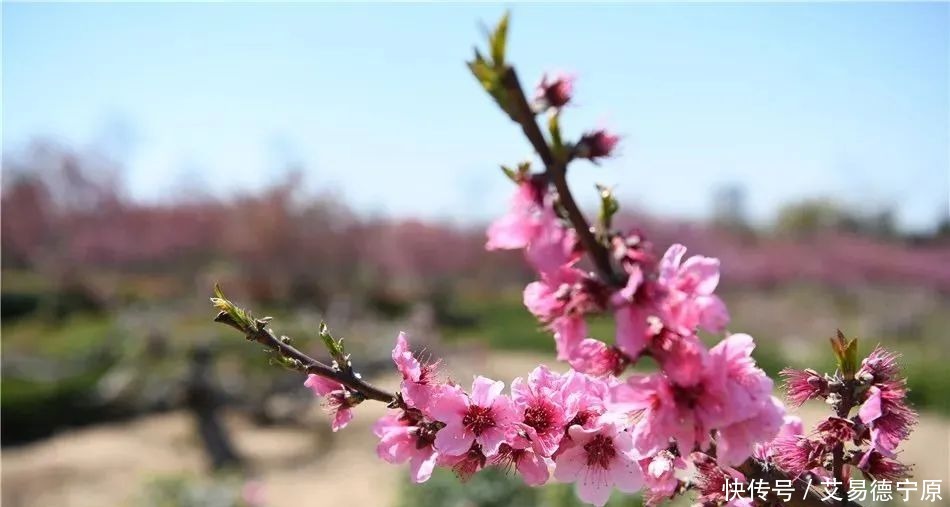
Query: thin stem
306, 364
556, 171
844, 407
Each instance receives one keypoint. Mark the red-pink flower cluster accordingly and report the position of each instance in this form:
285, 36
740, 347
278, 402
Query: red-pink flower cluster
867, 440
549, 421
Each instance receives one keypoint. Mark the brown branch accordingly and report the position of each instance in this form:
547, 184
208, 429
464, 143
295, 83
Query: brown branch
306, 364
843, 409
556, 171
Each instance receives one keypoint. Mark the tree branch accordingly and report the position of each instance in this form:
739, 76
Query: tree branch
304, 363
556, 171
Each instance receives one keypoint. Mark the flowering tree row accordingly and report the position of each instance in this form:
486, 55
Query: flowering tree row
705, 418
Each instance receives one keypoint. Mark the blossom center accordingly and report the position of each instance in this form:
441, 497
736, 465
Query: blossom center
600, 452
478, 419
539, 416
583, 417
687, 396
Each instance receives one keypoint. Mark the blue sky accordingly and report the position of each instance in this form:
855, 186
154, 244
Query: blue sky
791, 101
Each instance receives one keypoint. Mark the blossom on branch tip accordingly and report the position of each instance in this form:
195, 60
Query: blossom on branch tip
554, 93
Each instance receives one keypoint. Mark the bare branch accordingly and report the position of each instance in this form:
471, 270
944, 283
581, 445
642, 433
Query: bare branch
556, 171
306, 364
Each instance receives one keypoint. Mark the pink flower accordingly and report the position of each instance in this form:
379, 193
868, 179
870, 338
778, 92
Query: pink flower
569, 332
401, 441
483, 418
737, 441
711, 478
791, 426
596, 144
880, 467
549, 298
796, 454
879, 367
632, 250
594, 357
689, 285
664, 410
418, 379
890, 419
585, 398
336, 399
520, 454
521, 224
632, 331
682, 358
555, 93
803, 385
466, 464
748, 388
834, 430
553, 246
541, 405
659, 474
599, 459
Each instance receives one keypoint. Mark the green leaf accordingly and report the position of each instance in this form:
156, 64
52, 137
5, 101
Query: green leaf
498, 41
554, 127
235, 315
609, 206
510, 173
846, 354
335, 347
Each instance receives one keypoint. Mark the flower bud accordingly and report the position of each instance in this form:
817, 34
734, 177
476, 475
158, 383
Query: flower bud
596, 144
555, 93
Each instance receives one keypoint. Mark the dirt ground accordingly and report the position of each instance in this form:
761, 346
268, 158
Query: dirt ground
109, 464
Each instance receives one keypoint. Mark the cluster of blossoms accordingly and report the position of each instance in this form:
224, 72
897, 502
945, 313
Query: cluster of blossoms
867, 440
706, 418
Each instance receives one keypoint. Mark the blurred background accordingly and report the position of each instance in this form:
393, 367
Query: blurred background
339, 162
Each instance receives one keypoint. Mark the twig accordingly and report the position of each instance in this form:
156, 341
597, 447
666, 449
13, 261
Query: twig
844, 407
306, 364
556, 171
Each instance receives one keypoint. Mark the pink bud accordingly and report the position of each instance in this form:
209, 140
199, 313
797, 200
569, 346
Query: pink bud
554, 93
596, 144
